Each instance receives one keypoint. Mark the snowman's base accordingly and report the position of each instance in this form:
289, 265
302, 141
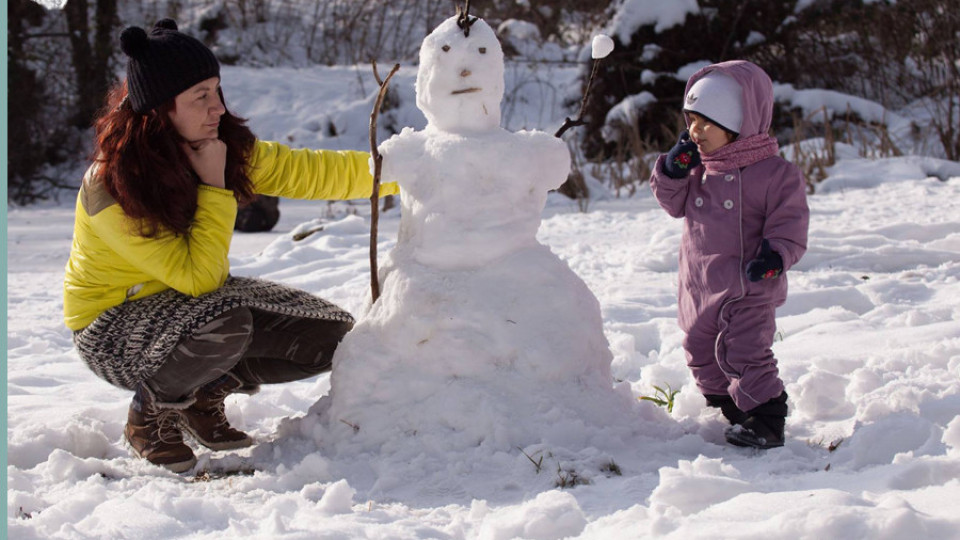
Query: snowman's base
505, 355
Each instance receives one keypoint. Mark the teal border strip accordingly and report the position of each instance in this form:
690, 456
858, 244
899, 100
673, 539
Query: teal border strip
3, 266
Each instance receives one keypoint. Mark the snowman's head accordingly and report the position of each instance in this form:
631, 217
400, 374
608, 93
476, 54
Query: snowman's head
460, 79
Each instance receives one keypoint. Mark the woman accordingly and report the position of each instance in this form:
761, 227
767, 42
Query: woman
147, 290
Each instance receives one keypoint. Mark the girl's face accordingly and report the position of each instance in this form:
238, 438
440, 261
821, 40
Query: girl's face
708, 136
197, 110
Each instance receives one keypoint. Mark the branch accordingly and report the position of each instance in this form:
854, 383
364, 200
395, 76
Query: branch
46, 35
464, 21
568, 123
377, 165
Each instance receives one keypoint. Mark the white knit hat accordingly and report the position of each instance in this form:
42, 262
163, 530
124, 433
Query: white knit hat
718, 98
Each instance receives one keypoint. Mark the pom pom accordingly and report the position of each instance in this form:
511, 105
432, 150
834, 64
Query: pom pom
133, 42
165, 24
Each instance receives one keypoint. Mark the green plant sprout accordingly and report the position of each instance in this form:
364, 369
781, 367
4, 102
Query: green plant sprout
663, 398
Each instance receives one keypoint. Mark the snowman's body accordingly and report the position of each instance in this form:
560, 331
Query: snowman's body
482, 335
484, 204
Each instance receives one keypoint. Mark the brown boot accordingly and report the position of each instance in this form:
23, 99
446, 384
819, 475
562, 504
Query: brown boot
153, 431
206, 421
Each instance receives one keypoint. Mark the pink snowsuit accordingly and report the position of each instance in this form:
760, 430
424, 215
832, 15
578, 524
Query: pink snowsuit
729, 320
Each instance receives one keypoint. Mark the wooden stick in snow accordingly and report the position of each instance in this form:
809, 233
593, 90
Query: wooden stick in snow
377, 165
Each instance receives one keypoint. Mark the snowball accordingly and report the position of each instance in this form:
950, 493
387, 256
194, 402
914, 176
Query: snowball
602, 46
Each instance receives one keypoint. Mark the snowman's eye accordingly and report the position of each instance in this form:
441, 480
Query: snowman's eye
445, 48
483, 50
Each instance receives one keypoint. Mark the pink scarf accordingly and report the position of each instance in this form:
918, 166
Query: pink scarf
740, 153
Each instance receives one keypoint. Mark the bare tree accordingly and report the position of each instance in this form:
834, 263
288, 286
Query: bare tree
91, 52
24, 96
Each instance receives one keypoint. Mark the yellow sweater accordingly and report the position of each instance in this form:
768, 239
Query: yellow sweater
110, 264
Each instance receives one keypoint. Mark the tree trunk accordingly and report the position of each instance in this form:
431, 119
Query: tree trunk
91, 63
25, 148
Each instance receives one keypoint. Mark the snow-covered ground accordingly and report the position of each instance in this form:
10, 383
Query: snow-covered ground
869, 347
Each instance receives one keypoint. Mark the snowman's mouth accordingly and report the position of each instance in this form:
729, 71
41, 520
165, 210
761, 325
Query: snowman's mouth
465, 91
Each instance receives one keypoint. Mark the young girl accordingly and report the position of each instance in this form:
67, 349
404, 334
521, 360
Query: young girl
745, 225
147, 290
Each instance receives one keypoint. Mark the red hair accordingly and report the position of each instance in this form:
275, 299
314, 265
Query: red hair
142, 165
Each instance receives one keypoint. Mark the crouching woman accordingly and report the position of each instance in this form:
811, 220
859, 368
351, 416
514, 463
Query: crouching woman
148, 291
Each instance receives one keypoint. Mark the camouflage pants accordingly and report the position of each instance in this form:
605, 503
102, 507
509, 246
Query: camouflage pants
261, 331
258, 347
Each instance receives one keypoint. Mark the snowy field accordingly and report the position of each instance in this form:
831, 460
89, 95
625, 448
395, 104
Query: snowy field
868, 342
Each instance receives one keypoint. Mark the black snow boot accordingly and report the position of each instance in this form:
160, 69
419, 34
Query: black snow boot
763, 427
726, 405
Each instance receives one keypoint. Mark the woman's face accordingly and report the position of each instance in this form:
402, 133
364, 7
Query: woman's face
197, 110
708, 136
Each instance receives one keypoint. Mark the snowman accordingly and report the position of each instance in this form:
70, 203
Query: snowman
482, 335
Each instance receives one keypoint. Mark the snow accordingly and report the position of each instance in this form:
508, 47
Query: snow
868, 342
632, 14
872, 363
337, 499
834, 104
687, 71
625, 113
521, 30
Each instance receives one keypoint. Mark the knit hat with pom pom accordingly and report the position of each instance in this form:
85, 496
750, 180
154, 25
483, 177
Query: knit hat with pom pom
163, 64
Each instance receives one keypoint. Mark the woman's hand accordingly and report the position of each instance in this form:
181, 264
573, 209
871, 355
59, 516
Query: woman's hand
208, 157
